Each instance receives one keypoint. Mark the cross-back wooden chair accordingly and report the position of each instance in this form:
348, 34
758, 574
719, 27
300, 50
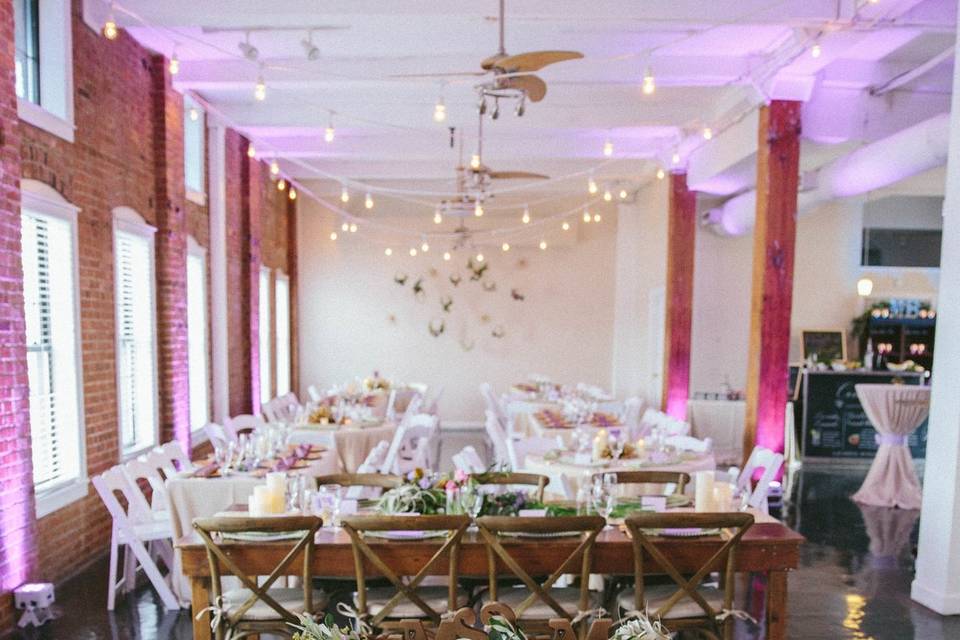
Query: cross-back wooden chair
541, 601
517, 479
686, 603
678, 479
255, 609
380, 480
383, 607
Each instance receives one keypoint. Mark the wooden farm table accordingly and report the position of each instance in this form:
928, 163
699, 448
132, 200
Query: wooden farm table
769, 548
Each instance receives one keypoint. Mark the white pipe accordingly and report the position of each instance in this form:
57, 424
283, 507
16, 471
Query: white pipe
879, 164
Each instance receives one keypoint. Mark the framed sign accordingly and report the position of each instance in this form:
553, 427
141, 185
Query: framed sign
826, 344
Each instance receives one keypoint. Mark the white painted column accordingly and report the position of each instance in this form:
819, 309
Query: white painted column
937, 581
217, 207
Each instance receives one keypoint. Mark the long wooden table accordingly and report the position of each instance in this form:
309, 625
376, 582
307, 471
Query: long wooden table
769, 548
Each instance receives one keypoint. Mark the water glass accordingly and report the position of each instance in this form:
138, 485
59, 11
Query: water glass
604, 502
471, 502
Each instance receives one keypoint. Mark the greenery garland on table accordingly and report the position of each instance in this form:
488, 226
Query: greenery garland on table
426, 494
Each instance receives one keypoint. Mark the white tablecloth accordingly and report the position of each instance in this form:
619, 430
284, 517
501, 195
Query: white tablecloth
352, 444
895, 410
566, 472
722, 421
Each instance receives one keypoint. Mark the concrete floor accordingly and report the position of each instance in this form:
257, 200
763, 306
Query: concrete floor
854, 582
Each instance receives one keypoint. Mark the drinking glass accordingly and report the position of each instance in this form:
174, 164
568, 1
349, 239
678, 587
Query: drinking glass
604, 502
616, 446
471, 501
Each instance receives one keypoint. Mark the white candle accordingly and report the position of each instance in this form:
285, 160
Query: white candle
703, 501
277, 481
723, 496
259, 503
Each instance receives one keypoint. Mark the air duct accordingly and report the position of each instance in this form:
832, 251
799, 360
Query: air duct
879, 164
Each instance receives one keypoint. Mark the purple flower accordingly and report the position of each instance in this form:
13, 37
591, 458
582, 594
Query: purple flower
424, 483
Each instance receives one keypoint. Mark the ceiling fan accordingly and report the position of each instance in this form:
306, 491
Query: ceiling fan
513, 75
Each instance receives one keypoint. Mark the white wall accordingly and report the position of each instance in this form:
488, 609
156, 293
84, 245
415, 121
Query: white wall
347, 294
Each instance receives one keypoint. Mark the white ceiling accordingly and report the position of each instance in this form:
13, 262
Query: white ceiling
711, 59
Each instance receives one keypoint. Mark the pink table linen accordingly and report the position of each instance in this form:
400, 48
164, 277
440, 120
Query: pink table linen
895, 410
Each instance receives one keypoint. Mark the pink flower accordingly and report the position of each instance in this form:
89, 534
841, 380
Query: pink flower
460, 475
451, 485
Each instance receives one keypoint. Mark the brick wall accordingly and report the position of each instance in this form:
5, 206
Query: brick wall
128, 151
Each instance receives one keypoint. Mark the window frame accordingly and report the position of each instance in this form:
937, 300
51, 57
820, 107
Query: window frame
56, 72
266, 391
127, 220
42, 199
280, 276
193, 195
195, 250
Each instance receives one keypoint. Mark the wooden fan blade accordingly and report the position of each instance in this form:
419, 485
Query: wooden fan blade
517, 175
534, 60
491, 62
534, 87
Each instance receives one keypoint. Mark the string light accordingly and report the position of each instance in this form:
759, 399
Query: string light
260, 89
333, 235
661, 174
425, 247
607, 196
368, 201
608, 148
815, 51
623, 194
480, 257
440, 111
344, 194
586, 216
707, 133
353, 227
329, 132
565, 226
174, 66
675, 159
596, 217
292, 193
437, 217
446, 256
251, 151
281, 184
194, 114
478, 209
543, 245
649, 84
475, 161
388, 252
110, 28
505, 246
345, 227
413, 252
525, 219
591, 185
274, 168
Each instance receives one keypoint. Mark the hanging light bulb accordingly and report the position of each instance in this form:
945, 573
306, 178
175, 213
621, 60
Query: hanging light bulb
344, 194
437, 217
413, 252
292, 193
368, 201
591, 185
281, 184
608, 148
482, 104
440, 111
260, 89
194, 114
274, 167
479, 257
475, 161
353, 227
505, 246
543, 245
110, 28
675, 159
174, 66
607, 196
586, 216
707, 133
521, 107
345, 226
251, 151
565, 226
446, 256
478, 209
525, 219
815, 51
649, 84
424, 247
329, 132
596, 217
661, 174
333, 235
623, 194
388, 252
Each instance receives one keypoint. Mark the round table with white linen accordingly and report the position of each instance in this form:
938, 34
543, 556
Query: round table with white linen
353, 443
895, 410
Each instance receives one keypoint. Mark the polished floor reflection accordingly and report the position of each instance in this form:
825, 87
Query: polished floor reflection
854, 582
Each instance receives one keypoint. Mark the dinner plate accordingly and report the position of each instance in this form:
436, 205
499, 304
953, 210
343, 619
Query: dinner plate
263, 536
691, 532
540, 534
406, 535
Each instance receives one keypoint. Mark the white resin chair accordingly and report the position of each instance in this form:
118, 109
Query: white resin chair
285, 408
314, 392
469, 460
517, 450
631, 416
414, 445
241, 423
176, 456
770, 462
147, 469
498, 439
432, 406
371, 464
134, 531
219, 435
495, 406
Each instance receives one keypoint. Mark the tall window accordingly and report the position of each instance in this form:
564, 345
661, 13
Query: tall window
282, 305
136, 331
263, 333
53, 354
198, 365
194, 158
43, 56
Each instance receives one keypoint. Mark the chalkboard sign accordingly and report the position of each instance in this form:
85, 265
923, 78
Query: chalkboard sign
834, 423
826, 344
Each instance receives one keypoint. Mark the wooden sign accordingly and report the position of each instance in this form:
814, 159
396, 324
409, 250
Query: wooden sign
826, 344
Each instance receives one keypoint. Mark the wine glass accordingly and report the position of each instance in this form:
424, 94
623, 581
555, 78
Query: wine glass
604, 502
617, 445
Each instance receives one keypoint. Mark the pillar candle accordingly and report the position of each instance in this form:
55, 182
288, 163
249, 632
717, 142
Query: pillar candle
723, 496
703, 501
259, 503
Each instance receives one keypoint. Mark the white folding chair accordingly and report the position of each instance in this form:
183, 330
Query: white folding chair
469, 460
631, 416
178, 458
314, 392
495, 406
432, 407
134, 531
770, 462
147, 468
498, 440
269, 411
421, 444
517, 450
243, 422
219, 435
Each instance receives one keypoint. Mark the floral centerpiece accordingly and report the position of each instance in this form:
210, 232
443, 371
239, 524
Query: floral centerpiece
321, 414
376, 383
429, 494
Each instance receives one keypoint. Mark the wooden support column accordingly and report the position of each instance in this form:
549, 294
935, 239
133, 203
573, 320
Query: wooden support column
681, 236
778, 159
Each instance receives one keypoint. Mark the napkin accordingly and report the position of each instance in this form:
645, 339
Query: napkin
689, 443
